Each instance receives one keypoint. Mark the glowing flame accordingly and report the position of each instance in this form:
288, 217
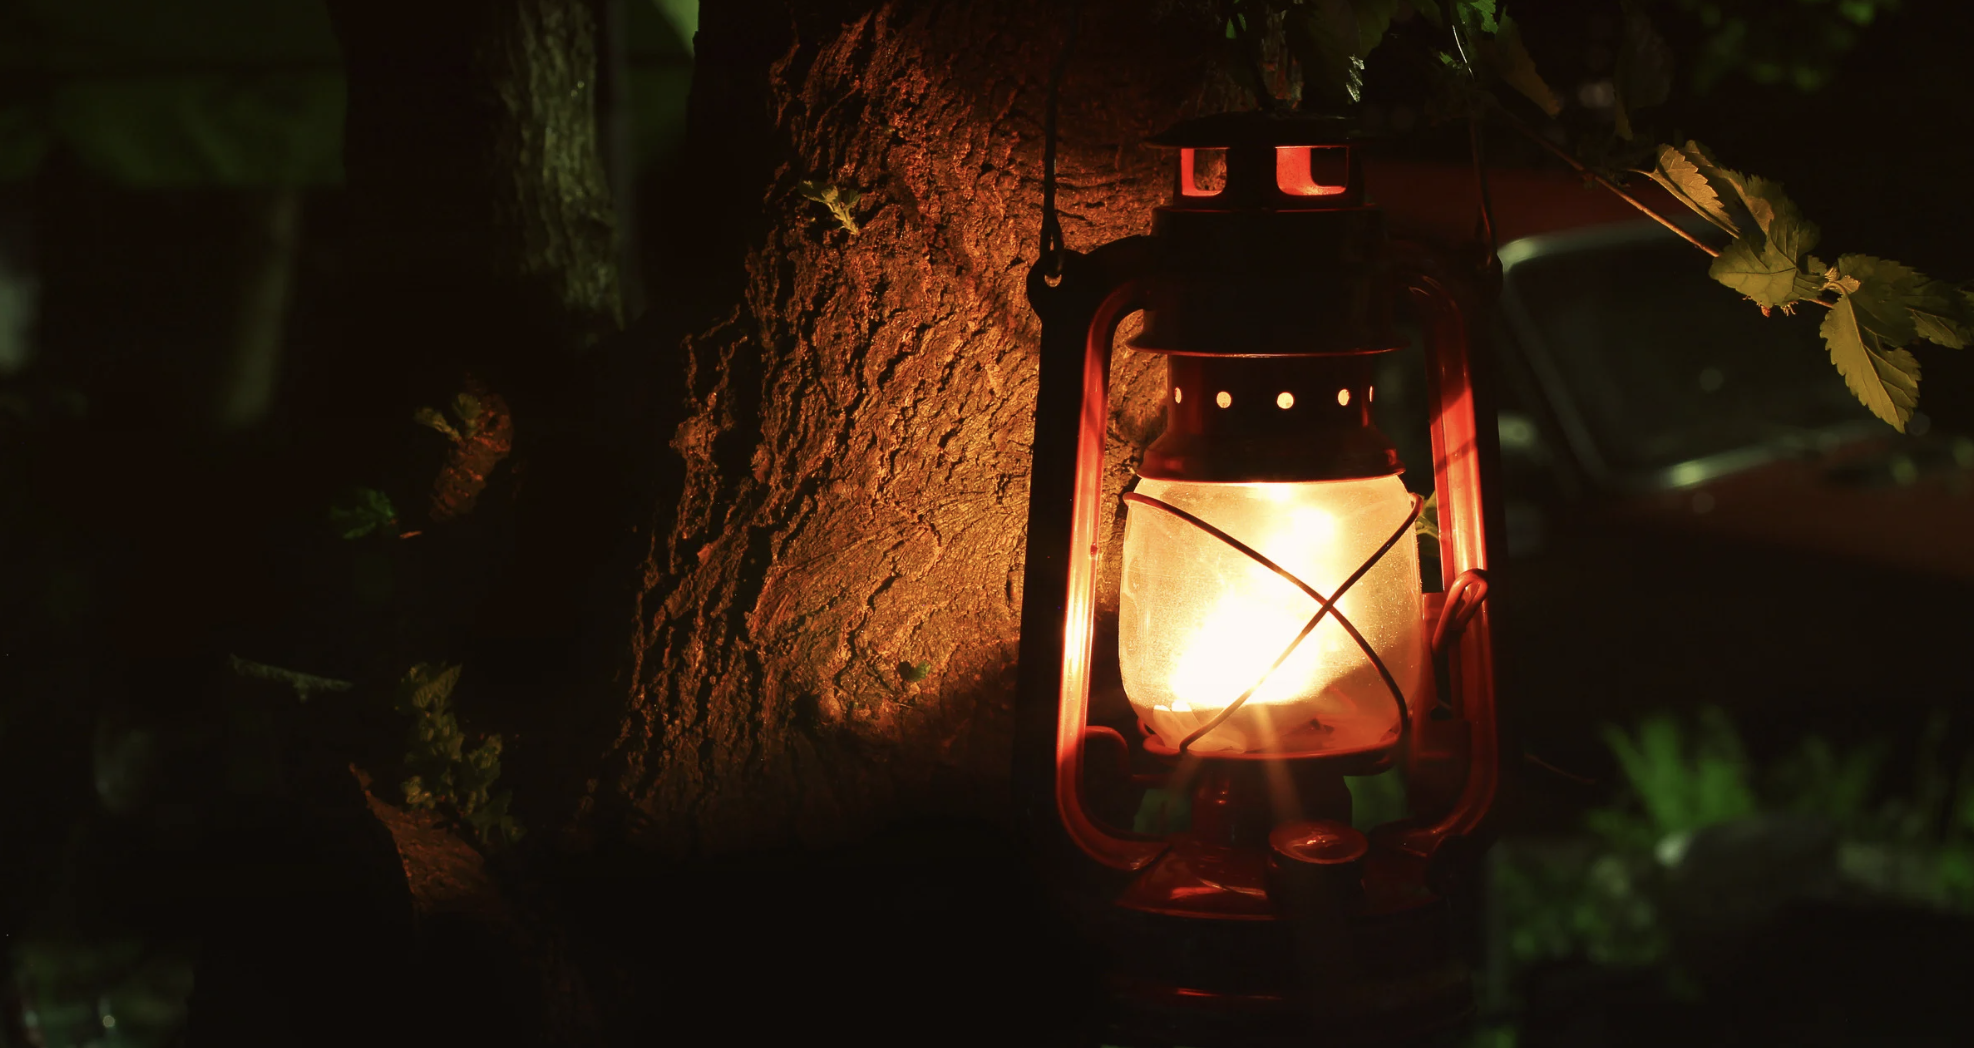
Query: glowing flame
1200, 624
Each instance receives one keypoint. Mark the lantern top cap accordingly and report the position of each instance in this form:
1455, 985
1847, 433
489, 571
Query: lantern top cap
1292, 127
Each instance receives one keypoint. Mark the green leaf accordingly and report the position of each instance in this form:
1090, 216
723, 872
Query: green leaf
1944, 315
1644, 73
838, 201
427, 688
913, 672
1754, 266
1766, 263
1726, 181
360, 511
1515, 66
431, 419
1680, 173
1429, 10
1476, 15
1682, 787
467, 407
1901, 303
1777, 216
1427, 526
1883, 377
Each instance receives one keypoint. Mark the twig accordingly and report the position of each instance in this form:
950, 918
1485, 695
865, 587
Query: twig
1536, 137
305, 684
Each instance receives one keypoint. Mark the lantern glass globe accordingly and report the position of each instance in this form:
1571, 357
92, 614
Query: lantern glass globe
1201, 622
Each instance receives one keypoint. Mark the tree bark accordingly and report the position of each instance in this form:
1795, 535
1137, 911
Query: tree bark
481, 212
824, 630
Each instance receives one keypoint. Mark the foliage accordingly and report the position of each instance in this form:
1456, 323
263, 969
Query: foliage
1782, 42
362, 511
444, 776
1615, 897
1376, 799
482, 434
466, 408
1880, 307
837, 200
1877, 308
1427, 526
208, 92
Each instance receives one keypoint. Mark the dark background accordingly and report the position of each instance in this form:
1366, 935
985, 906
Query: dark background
161, 170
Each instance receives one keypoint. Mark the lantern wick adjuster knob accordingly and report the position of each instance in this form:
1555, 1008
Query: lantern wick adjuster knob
1463, 602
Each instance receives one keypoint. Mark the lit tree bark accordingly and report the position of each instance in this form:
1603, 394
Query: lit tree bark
825, 618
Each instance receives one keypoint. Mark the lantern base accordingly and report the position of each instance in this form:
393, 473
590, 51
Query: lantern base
1178, 981
1227, 939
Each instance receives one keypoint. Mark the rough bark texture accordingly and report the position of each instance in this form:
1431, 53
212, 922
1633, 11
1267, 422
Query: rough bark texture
825, 634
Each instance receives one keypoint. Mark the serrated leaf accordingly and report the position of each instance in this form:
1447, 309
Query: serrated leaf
361, 511
1727, 182
1884, 378
1766, 262
467, 408
1778, 217
1427, 526
1516, 67
431, 419
836, 199
427, 687
1901, 303
1681, 176
1754, 267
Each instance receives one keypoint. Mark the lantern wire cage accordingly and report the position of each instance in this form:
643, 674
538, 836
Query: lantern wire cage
1326, 607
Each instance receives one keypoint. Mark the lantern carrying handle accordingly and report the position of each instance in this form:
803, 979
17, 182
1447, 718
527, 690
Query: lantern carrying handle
1080, 315
1463, 632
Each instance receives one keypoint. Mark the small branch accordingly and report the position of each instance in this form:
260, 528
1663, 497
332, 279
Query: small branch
305, 684
1536, 137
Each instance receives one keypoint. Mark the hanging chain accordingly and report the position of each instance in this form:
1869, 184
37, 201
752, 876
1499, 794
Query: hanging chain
1053, 249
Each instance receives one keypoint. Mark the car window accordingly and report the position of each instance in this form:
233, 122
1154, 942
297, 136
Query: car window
1655, 362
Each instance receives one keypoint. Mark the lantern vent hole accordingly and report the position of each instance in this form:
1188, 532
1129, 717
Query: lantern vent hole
1225, 399
1285, 401
1202, 172
1343, 397
1311, 170
1370, 394
1178, 395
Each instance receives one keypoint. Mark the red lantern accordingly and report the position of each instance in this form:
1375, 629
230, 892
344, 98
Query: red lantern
1272, 634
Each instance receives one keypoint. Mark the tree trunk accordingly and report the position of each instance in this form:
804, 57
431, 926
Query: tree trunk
482, 227
825, 624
